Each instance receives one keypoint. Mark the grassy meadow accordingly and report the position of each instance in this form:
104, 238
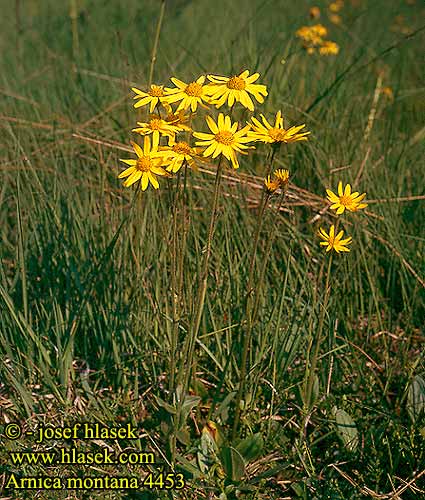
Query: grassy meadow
206, 313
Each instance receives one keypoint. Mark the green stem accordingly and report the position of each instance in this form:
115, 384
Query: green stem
156, 41
249, 303
308, 403
203, 280
174, 285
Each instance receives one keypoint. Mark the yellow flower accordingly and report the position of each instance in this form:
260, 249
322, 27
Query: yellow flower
335, 19
275, 134
282, 176
178, 118
155, 95
156, 126
314, 12
225, 139
237, 88
190, 94
336, 6
334, 242
312, 34
328, 48
388, 92
179, 152
345, 199
271, 185
147, 166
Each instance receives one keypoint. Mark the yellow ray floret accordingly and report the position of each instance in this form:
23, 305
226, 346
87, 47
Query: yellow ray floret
225, 139
268, 133
271, 185
237, 89
180, 152
148, 165
334, 242
153, 97
179, 119
190, 94
345, 199
156, 126
329, 48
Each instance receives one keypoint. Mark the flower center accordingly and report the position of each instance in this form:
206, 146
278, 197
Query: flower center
345, 200
194, 89
155, 124
182, 148
236, 83
276, 134
144, 164
156, 91
225, 137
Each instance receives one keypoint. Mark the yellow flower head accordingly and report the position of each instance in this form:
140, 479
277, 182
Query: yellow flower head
335, 19
225, 139
334, 242
312, 34
180, 152
271, 185
336, 6
388, 92
237, 89
155, 95
190, 94
147, 166
268, 133
328, 48
179, 118
282, 176
345, 199
314, 12
156, 126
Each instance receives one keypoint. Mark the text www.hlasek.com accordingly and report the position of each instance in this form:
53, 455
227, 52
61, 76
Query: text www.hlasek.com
76, 457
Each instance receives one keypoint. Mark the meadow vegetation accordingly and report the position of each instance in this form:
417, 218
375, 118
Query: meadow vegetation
253, 360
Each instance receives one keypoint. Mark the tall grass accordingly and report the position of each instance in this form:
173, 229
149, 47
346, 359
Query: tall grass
87, 322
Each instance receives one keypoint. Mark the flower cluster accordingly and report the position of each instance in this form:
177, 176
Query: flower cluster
171, 114
280, 181
344, 200
313, 38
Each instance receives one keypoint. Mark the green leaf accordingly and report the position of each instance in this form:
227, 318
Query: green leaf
416, 398
188, 404
163, 404
183, 436
233, 463
346, 429
251, 447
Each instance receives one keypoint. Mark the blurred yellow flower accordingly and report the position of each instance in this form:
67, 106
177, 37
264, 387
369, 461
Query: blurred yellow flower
225, 139
156, 126
345, 199
388, 92
190, 94
147, 166
328, 48
268, 133
155, 95
336, 6
237, 89
312, 34
314, 12
334, 242
335, 19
